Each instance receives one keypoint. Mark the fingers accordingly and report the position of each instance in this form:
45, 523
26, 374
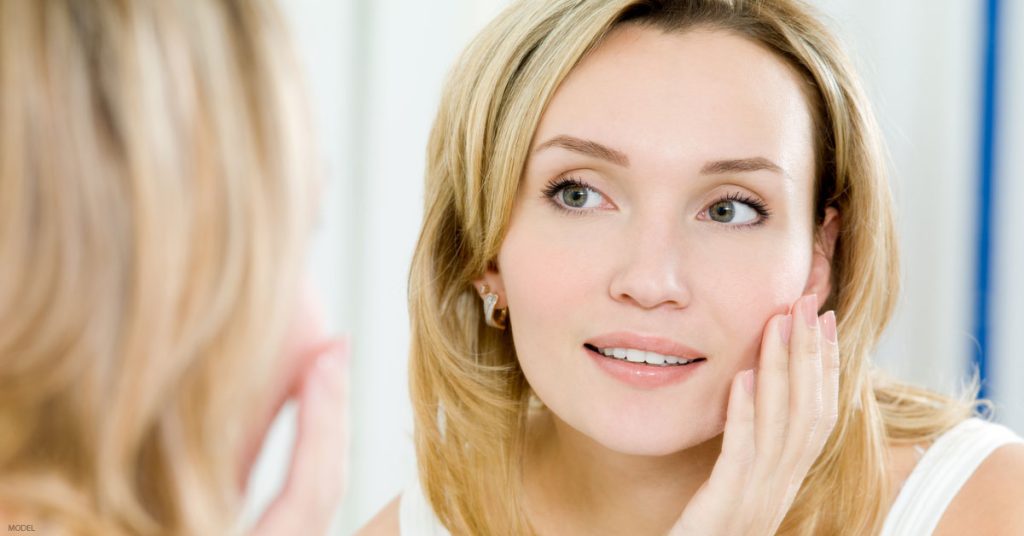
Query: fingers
738, 441
710, 509
772, 395
318, 460
829, 350
768, 447
818, 418
830, 341
805, 380
317, 473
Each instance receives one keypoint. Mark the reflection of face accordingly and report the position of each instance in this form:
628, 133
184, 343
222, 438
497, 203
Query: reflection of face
667, 246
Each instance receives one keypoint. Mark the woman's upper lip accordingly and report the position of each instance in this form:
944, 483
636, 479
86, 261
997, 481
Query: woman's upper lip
647, 343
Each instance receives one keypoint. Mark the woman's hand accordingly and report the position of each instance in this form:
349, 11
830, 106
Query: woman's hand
316, 477
771, 442
313, 371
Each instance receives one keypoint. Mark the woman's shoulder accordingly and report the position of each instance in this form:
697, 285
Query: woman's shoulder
970, 479
990, 501
385, 523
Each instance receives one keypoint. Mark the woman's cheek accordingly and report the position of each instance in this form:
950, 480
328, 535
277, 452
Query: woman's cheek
542, 280
745, 293
761, 266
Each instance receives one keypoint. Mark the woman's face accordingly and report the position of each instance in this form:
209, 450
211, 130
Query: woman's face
666, 206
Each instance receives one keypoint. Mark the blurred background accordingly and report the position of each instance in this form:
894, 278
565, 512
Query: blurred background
946, 78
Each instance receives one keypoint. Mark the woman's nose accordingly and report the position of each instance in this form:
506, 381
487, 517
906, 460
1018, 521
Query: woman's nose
650, 269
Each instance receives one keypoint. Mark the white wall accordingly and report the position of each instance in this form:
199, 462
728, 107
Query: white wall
922, 64
918, 59
407, 47
375, 69
326, 41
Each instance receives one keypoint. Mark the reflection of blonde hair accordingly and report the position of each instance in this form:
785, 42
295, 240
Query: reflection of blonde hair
154, 198
469, 394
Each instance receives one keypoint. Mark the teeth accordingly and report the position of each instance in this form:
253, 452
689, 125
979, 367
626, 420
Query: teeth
652, 358
640, 356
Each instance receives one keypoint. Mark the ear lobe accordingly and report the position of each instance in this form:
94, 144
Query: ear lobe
819, 280
490, 282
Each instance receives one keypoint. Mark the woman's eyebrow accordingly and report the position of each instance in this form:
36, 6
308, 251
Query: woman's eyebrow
586, 147
603, 152
741, 165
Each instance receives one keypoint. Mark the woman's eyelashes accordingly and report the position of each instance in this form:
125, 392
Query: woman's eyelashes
735, 210
573, 195
738, 210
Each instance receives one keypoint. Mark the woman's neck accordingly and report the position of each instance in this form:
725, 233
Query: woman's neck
574, 485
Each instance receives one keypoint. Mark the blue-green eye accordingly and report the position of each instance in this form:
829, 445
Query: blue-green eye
737, 210
580, 197
572, 194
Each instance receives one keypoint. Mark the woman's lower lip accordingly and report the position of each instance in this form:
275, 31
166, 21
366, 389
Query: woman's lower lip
641, 375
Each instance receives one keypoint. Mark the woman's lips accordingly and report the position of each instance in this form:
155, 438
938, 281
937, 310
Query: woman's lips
646, 343
643, 375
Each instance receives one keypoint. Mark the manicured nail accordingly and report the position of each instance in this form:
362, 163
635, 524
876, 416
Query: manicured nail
330, 361
331, 365
340, 349
785, 328
809, 306
829, 326
748, 380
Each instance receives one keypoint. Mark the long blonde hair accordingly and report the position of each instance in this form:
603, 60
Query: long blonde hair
469, 394
155, 196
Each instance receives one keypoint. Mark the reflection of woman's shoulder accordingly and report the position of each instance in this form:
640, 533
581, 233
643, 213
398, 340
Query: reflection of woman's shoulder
969, 480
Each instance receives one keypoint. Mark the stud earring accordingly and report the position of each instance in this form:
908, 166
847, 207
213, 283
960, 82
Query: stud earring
492, 316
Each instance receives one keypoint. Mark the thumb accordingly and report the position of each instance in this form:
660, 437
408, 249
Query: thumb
708, 511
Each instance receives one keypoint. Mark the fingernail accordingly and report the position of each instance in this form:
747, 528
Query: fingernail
331, 364
748, 380
829, 326
809, 307
341, 350
329, 361
785, 328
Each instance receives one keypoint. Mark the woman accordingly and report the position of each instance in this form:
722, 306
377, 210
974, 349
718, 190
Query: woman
644, 221
156, 192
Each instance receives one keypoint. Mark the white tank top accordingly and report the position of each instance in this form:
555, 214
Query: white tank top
922, 500
941, 472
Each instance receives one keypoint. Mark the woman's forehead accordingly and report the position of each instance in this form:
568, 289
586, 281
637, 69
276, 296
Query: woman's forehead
683, 99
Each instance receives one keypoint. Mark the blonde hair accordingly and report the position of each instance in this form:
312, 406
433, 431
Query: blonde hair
155, 195
469, 394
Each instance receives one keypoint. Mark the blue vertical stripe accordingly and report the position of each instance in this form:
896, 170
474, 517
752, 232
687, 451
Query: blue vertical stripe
986, 189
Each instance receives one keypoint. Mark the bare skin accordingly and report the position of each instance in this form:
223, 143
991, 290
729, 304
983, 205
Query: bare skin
564, 489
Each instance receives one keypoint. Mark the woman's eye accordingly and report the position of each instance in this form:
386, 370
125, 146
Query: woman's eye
730, 211
579, 196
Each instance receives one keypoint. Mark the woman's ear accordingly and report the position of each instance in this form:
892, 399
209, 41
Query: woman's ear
490, 282
819, 281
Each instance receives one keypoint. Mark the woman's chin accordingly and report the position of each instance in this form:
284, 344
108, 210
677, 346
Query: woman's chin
655, 444
653, 425
652, 436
